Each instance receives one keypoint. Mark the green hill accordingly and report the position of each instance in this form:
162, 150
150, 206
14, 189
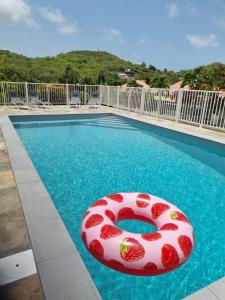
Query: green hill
93, 67
88, 64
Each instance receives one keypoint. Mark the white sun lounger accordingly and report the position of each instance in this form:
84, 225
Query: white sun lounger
18, 102
94, 100
74, 100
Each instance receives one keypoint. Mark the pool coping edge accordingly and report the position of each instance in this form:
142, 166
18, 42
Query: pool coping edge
62, 272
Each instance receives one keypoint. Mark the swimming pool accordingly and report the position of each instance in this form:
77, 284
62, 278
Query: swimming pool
84, 158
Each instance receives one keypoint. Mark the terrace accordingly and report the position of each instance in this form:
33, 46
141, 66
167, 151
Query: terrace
196, 113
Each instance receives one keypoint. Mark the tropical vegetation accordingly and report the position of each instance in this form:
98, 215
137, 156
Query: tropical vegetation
98, 67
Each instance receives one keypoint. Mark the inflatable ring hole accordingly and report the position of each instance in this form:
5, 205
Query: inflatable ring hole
136, 226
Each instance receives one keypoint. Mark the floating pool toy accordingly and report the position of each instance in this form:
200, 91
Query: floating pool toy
138, 254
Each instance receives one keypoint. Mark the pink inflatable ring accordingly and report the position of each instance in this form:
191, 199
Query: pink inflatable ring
138, 254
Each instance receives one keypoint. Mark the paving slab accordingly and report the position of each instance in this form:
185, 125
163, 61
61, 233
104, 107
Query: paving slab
68, 272
50, 240
28, 288
218, 288
203, 294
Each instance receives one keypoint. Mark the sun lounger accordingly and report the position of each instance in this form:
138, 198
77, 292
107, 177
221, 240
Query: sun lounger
74, 100
16, 100
94, 100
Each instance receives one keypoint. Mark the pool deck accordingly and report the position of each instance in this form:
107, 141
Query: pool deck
62, 272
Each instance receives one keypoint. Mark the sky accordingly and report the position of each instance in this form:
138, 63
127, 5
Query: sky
176, 34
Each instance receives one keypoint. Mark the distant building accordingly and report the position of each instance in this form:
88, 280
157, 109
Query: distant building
129, 73
122, 76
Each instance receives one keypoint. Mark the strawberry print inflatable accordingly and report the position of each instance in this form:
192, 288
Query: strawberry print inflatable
145, 254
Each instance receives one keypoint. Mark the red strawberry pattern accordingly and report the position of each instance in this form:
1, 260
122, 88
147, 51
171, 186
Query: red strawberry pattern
185, 244
169, 226
100, 203
151, 236
116, 197
158, 209
169, 256
150, 266
93, 220
110, 215
131, 250
96, 249
125, 213
109, 231
143, 200
176, 215
103, 214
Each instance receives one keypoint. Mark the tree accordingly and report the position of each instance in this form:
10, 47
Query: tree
217, 73
197, 79
152, 68
101, 78
143, 65
159, 82
70, 75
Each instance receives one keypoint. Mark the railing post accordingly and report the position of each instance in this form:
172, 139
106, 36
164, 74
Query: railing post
26, 92
4, 94
108, 95
142, 101
85, 95
100, 94
118, 97
159, 103
129, 96
48, 95
67, 94
179, 104
204, 109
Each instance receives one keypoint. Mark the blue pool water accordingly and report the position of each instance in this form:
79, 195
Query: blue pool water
85, 158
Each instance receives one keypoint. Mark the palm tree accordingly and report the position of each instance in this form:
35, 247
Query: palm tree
197, 79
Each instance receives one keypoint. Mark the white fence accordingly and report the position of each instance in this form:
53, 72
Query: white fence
201, 108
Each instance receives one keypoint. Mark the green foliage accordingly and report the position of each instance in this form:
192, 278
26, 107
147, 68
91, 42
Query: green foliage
92, 67
159, 82
132, 83
101, 78
211, 77
87, 63
70, 75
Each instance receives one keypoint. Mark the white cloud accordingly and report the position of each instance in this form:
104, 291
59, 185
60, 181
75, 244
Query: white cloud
113, 34
172, 9
220, 21
69, 28
16, 11
52, 15
56, 16
199, 41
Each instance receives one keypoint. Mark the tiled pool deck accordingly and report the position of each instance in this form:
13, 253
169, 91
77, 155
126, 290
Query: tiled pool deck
61, 269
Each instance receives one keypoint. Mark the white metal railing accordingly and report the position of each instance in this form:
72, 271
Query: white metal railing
201, 108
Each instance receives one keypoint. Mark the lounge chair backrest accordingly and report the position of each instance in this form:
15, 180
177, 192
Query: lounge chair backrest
13, 94
75, 94
95, 95
75, 98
